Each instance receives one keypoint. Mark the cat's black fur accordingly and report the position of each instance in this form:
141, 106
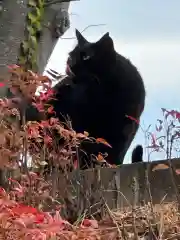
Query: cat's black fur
111, 88
102, 88
137, 154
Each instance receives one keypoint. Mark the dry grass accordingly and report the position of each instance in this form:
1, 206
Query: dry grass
163, 223
124, 225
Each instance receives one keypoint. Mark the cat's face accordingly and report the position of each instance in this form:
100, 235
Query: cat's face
88, 56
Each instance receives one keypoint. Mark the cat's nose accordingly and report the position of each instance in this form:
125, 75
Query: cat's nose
69, 61
68, 70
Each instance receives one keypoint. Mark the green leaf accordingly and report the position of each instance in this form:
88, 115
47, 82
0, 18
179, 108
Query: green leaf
22, 60
32, 3
41, 3
32, 17
38, 13
33, 40
39, 27
25, 46
31, 30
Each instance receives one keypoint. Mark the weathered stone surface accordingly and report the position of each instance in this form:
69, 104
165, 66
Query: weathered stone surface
122, 187
12, 24
48, 42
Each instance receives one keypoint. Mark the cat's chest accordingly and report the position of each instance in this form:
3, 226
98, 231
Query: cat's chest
93, 91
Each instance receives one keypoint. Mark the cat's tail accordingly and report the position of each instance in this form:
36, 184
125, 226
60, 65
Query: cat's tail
137, 154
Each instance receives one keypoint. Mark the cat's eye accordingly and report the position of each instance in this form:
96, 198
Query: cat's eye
85, 56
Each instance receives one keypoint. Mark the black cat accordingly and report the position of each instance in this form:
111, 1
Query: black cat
107, 89
101, 90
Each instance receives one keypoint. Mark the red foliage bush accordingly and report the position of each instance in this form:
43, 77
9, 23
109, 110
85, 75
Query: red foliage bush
22, 214
23, 206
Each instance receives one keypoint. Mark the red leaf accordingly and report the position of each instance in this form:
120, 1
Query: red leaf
2, 84
171, 113
5, 102
19, 189
133, 119
42, 96
44, 124
160, 166
23, 209
33, 132
35, 75
35, 234
51, 110
47, 140
45, 96
33, 175
153, 140
53, 121
114, 166
76, 164
20, 222
158, 129
81, 135
177, 115
154, 147
90, 223
50, 92
13, 66
13, 180
101, 140
176, 134
100, 157
177, 171
86, 223
39, 106
2, 192
39, 218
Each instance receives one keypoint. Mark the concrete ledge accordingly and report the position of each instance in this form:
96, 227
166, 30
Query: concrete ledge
124, 186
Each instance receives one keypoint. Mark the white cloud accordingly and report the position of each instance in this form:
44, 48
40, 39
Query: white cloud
158, 62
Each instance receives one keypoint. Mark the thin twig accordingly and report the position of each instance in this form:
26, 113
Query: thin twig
171, 167
57, 1
114, 221
92, 25
151, 203
25, 156
172, 171
135, 191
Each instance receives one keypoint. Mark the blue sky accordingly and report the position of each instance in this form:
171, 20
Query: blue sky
147, 33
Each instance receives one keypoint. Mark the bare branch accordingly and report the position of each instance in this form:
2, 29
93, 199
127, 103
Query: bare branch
57, 1
92, 25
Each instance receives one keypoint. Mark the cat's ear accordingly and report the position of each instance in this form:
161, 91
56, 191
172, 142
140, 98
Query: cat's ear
81, 40
105, 37
106, 41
